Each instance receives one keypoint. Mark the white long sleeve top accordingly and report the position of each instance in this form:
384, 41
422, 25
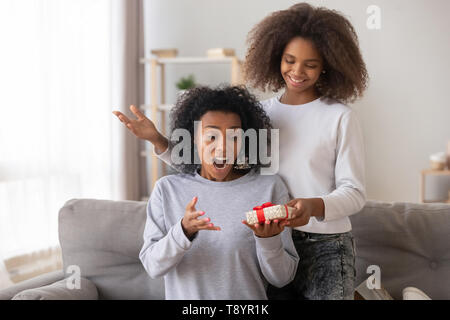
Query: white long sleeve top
321, 155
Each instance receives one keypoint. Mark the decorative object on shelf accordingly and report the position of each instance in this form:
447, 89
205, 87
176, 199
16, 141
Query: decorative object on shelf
440, 166
430, 172
165, 53
186, 83
220, 52
438, 161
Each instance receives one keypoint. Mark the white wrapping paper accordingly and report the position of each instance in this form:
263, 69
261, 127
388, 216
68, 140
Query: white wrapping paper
270, 213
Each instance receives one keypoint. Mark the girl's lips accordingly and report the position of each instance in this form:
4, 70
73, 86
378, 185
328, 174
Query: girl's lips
295, 83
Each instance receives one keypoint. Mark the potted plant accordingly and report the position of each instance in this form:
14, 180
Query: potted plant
185, 83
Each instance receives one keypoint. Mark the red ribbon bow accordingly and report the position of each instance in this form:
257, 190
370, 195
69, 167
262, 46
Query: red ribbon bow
260, 211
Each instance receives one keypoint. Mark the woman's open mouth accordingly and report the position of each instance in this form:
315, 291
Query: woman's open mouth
219, 163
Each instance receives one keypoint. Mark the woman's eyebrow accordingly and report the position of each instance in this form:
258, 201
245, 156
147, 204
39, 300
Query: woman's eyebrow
216, 127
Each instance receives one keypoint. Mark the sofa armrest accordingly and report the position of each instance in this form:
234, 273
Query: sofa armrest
39, 281
60, 291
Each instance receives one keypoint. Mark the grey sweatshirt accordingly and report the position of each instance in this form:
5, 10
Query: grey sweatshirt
229, 264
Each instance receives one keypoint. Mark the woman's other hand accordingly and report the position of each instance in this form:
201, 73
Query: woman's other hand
190, 222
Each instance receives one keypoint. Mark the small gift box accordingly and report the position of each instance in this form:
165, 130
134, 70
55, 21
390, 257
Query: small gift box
268, 211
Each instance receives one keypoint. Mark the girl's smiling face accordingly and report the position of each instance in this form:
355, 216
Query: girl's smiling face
301, 66
219, 132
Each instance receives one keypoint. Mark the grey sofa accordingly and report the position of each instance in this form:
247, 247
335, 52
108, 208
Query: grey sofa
409, 242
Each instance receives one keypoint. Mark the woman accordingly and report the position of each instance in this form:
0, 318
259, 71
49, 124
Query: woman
216, 257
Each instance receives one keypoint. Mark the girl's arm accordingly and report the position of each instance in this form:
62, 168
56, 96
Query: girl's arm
163, 249
349, 196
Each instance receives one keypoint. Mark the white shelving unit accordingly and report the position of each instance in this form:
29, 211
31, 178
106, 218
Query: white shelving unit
154, 107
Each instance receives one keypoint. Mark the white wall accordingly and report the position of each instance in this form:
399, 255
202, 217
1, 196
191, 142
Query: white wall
405, 113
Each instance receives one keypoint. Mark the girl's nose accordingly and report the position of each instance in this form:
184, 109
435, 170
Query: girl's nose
298, 70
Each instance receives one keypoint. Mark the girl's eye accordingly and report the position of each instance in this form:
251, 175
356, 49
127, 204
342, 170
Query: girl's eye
312, 67
288, 61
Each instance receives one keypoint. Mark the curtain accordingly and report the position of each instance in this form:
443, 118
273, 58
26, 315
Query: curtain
65, 65
128, 88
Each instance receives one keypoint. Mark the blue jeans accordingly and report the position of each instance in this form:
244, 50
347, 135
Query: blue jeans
326, 270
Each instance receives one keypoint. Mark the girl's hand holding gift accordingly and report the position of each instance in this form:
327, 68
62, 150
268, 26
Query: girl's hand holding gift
190, 222
304, 210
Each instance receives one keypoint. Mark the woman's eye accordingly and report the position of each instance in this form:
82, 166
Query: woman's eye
312, 67
290, 62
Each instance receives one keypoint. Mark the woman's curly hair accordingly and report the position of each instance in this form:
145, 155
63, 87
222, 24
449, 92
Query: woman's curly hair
193, 104
334, 37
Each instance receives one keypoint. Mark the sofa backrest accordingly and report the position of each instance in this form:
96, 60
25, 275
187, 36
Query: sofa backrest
103, 238
409, 242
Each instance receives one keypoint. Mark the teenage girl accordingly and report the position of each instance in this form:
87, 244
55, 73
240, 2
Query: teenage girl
311, 55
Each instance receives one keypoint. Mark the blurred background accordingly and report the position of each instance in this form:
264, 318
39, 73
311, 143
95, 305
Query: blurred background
66, 64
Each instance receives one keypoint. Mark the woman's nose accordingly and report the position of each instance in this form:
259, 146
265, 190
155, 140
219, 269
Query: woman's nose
220, 152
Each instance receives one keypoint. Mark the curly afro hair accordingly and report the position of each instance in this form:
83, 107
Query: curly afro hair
193, 104
333, 36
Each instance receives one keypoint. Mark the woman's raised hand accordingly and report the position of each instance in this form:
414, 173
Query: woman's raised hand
142, 127
190, 222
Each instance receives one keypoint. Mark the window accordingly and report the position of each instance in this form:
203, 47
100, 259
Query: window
55, 125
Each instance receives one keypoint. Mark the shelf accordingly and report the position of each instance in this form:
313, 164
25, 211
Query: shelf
436, 172
161, 107
153, 107
436, 201
189, 60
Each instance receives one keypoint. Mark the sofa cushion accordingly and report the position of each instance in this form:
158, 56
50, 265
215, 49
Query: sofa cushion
103, 238
39, 281
409, 242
